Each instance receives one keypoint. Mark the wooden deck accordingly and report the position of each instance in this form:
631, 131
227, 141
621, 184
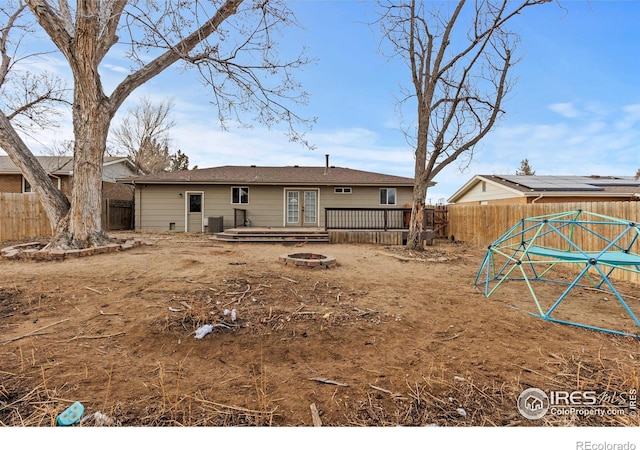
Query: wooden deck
311, 235
316, 235
389, 237
272, 234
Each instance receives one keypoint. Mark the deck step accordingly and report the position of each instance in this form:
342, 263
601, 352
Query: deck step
274, 236
267, 240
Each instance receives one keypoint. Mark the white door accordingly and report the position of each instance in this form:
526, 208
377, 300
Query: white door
309, 208
194, 212
302, 208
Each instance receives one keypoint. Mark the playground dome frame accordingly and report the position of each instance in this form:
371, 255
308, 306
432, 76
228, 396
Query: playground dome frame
594, 245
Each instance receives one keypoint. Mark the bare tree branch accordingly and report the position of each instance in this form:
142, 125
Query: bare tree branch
60, 26
31, 97
111, 19
177, 52
229, 41
143, 135
459, 56
11, 18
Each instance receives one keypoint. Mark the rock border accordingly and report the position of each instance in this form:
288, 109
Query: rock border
33, 251
306, 259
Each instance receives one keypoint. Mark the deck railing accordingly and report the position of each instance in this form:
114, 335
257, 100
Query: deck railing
366, 218
371, 218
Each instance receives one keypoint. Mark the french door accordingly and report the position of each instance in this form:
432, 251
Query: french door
301, 208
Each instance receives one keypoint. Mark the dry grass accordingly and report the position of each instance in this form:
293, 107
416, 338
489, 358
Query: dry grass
252, 298
436, 399
282, 312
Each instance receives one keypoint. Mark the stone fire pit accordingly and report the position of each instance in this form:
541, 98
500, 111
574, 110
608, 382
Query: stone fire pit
308, 260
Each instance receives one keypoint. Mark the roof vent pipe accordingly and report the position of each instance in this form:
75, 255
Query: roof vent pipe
326, 163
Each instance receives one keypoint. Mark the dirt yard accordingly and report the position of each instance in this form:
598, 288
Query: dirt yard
385, 338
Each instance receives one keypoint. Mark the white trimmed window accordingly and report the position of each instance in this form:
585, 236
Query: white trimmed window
342, 190
26, 187
240, 195
388, 196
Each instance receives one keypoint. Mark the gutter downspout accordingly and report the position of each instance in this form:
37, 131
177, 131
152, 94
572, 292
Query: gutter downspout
537, 198
133, 219
59, 180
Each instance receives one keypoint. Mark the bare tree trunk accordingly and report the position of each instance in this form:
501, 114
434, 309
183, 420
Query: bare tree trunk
91, 118
84, 225
54, 202
416, 226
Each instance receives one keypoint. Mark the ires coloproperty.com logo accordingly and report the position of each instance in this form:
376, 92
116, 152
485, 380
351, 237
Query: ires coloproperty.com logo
534, 403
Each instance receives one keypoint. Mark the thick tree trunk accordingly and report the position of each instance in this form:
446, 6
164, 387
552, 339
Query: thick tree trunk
84, 225
54, 202
416, 226
420, 184
91, 119
92, 114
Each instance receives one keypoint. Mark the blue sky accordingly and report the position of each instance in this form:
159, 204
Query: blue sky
575, 109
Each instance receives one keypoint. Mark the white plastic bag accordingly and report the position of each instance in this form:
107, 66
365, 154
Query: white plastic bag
203, 331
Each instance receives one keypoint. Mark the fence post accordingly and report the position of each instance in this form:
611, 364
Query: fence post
108, 214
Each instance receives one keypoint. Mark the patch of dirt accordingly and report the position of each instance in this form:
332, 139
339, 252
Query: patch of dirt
388, 337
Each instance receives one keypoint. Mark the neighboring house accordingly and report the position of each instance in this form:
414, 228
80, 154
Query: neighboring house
292, 196
60, 170
503, 189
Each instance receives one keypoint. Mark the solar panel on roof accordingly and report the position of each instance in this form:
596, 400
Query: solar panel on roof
552, 183
617, 181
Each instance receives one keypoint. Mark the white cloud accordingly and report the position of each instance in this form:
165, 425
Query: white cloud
357, 148
630, 117
116, 68
564, 109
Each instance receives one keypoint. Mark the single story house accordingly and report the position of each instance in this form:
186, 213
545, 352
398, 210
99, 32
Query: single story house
60, 170
291, 196
503, 189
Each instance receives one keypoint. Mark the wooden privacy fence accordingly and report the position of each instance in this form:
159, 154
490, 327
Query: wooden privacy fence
440, 220
117, 214
480, 225
23, 217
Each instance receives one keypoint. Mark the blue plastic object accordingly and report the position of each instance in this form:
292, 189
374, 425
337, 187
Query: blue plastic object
71, 415
593, 245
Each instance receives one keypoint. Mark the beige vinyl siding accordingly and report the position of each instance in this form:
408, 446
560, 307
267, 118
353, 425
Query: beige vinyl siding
265, 208
493, 192
156, 206
217, 202
363, 197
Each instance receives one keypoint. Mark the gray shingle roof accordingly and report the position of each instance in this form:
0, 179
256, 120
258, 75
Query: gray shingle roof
56, 165
288, 175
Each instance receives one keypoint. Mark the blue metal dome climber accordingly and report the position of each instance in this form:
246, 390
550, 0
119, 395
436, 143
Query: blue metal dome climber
546, 248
